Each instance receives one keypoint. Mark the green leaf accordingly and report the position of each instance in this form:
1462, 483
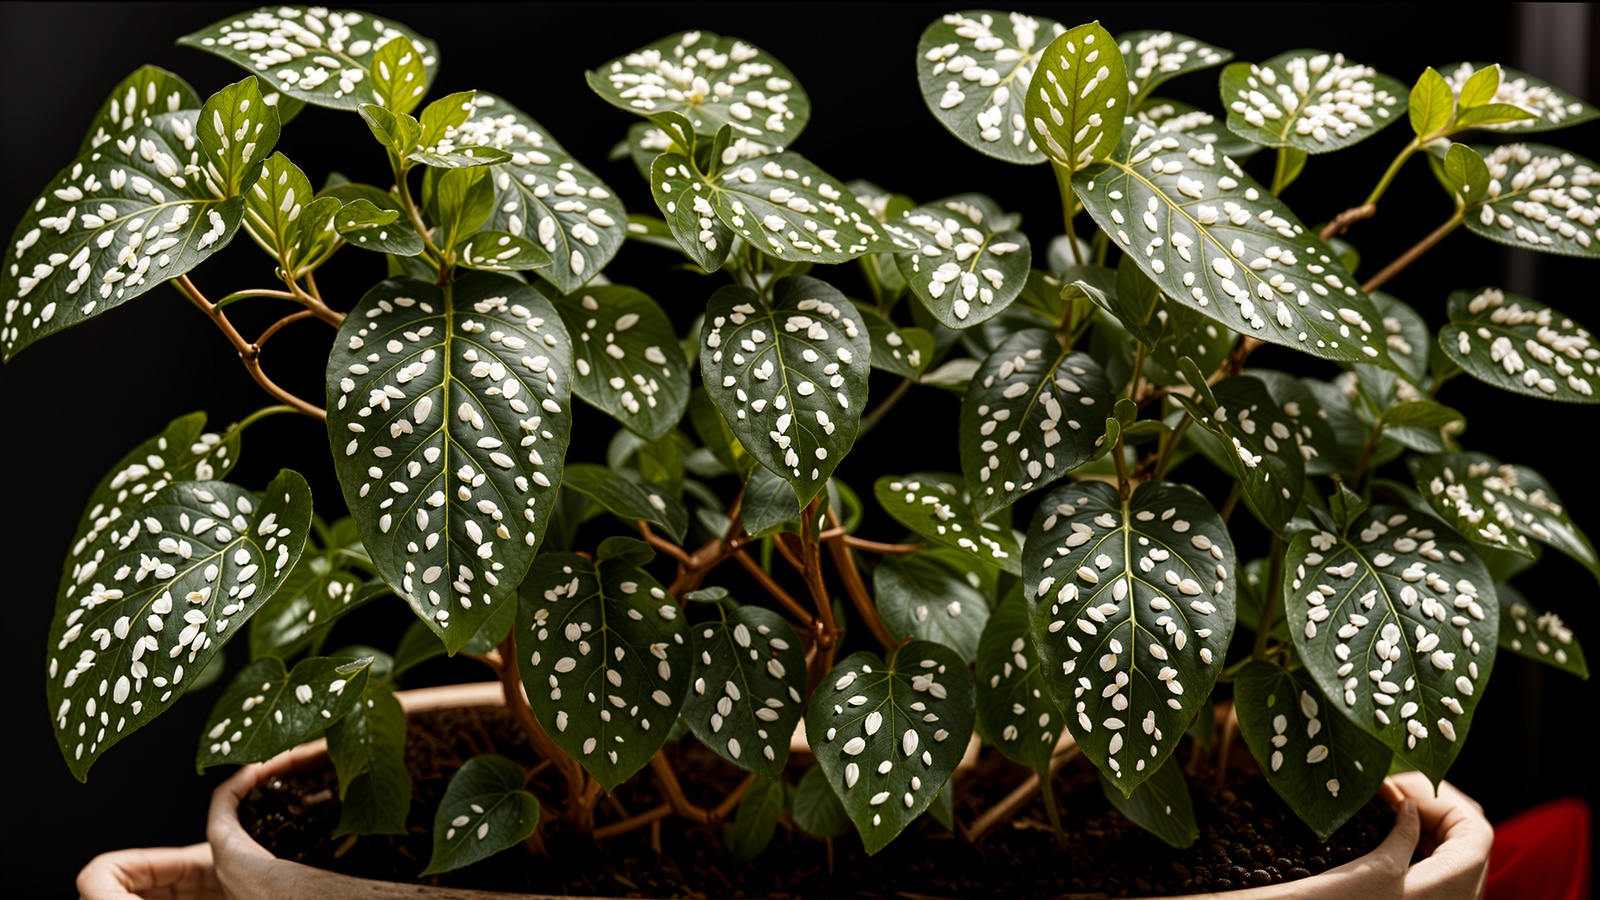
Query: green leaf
1344, 505
1015, 708
1215, 225
604, 658
1500, 505
418, 645
1431, 105
714, 81
279, 209
397, 132
919, 597
484, 810
974, 68
633, 368
236, 131
269, 709
367, 747
1154, 57
904, 351
1031, 414
1490, 331
1479, 87
1533, 200
745, 709
368, 226
1252, 601
499, 251
1464, 174
1132, 608
889, 735
321, 589
1406, 334
962, 258
1310, 100
1263, 454
148, 575
1398, 608
767, 502
938, 507
1076, 112
398, 75
451, 506
1313, 429
628, 499
460, 201
801, 363
1492, 114
755, 822
494, 630
680, 194
1160, 805
146, 93
817, 809
1553, 107
1541, 636
1165, 114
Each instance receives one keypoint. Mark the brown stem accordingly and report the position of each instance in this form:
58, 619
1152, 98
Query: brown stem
667, 780
1224, 747
1410, 256
767, 584
1015, 800
1247, 346
1342, 222
248, 353
781, 539
273, 328
316, 306
884, 549
664, 545
856, 590
828, 633
639, 821
517, 702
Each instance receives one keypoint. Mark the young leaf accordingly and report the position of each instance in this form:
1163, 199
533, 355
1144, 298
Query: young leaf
147, 92
919, 597
1165, 114
1344, 505
180, 564
367, 747
318, 57
236, 131
962, 258
1464, 174
974, 68
1431, 104
281, 212
1534, 200
633, 369
1541, 636
364, 224
451, 506
1258, 439
1132, 608
749, 675
484, 810
606, 665
1202, 225
1549, 105
628, 499
1076, 111
1310, 101
499, 251
1031, 414
1395, 620
801, 364
755, 822
768, 501
817, 809
1014, 707
1322, 766
1490, 330
1160, 804
269, 709
938, 507
398, 76
1478, 88
460, 201
904, 351
889, 735
398, 133
1153, 57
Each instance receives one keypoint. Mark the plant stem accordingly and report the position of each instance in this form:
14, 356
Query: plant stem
662, 544
856, 590
1279, 170
875, 547
416, 218
1391, 172
1069, 207
273, 328
1015, 800
771, 587
249, 353
517, 702
1138, 369
1344, 220
1410, 256
262, 413
882, 409
1117, 457
1171, 447
1047, 791
1269, 609
253, 292
811, 557
1366, 452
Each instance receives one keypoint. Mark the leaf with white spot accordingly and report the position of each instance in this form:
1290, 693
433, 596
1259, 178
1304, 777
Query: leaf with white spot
1313, 431
1166, 114
362, 223
817, 809
1218, 242
1168, 329
1540, 198
498, 251
714, 80
1015, 708
327, 584
889, 735
603, 656
153, 593
282, 214
767, 502
748, 682
964, 260
920, 596
974, 68
398, 75
790, 380
236, 131
1259, 442
147, 92
367, 747
1077, 109
939, 508
1520, 345
1463, 173
1151, 58
1553, 107
1033, 412
1541, 636
629, 499
1312, 101
269, 709
904, 351
315, 56
1160, 804
1132, 608
629, 362
1406, 334
1398, 623
1322, 766
448, 413
1500, 505
484, 811
682, 196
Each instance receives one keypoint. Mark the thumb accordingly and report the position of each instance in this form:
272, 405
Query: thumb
1396, 849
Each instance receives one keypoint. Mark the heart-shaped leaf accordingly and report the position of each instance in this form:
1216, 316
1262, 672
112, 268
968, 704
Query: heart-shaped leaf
147, 92
964, 261
499, 251
1539, 199
974, 68
938, 507
197, 557
628, 499
756, 820
749, 679
1259, 442
1519, 345
919, 596
1325, 768
236, 131
1202, 223
606, 664
269, 709
629, 363
1154, 57
903, 351
817, 809
1541, 636
889, 735
1132, 607
1552, 107
1160, 804
451, 507
1032, 413
367, 747
1015, 708
319, 57
1396, 621
1312, 101
1077, 110
484, 810
1165, 114
800, 363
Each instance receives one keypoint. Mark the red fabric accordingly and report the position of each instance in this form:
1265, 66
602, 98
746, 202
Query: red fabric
1542, 854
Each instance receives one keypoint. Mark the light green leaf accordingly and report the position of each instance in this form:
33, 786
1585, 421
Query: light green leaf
459, 201
484, 810
1492, 114
280, 211
1160, 805
1154, 57
1258, 440
1015, 708
919, 597
269, 709
962, 258
817, 809
147, 92
1076, 111
974, 68
633, 368
938, 507
1491, 330
628, 499
903, 351
1553, 107
1464, 174
1541, 636
398, 75
236, 131
1167, 115
1478, 88
367, 747
498, 251
1310, 100
1538, 200
397, 132
1431, 104
749, 675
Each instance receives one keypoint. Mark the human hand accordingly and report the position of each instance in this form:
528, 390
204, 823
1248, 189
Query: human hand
157, 873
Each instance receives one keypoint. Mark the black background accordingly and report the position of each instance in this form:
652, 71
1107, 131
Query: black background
71, 406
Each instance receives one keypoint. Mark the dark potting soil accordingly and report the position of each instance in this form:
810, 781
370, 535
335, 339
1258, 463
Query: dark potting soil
1248, 836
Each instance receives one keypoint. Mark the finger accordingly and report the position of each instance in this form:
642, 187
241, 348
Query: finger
150, 872
1395, 851
1390, 793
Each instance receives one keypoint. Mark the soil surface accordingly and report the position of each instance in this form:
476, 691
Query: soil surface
1248, 836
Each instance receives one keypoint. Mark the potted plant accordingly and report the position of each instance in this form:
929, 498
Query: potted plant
1063, 596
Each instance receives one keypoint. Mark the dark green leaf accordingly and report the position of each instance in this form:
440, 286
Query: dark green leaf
499, 251
1344, 506
147, 92
962, 258
1153, 57
494, 630
1406, 334
1258, 439
1015, 708
1310, 100
320, 590
628, 499
1490, 330
268, 709
767, 502
368, 747
369, 226
755, 822
917, 597
974, 68
1541, 636
1160, 805
938, 507
817, 809
679, 194
1313, 427
632, 368
743, 709
1170, 330
1533, 201
484, 810
1077, 110
903, 351
1553, 107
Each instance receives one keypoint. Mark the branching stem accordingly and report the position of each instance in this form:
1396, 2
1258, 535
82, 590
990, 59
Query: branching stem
249, 353
1410, 256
